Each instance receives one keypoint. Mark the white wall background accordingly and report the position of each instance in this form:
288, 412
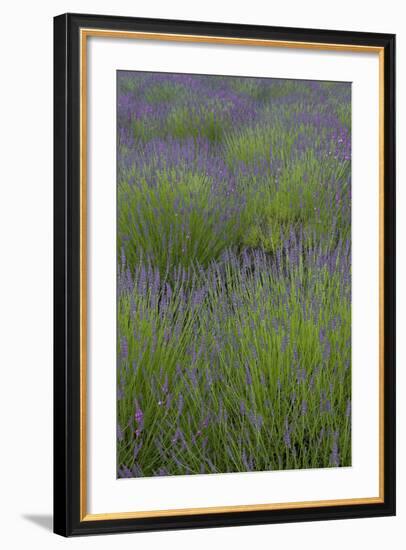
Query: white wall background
26, 271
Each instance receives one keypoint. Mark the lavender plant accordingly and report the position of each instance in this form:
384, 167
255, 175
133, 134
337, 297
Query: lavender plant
234, 275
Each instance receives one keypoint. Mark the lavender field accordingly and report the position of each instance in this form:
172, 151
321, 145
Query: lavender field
234, 274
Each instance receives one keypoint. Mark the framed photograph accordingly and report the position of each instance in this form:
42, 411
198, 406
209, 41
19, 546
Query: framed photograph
224, 252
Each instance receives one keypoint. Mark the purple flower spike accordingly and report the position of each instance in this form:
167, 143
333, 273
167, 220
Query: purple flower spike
248, 376
180, 404
139, 419
286, 434
139, 416
334, 457
120, 435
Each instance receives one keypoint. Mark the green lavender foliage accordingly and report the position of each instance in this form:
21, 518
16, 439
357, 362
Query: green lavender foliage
234, 274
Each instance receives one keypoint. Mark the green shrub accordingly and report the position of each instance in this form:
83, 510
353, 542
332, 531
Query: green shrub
174, 222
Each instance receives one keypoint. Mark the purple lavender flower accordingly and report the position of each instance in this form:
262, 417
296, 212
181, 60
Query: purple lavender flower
137, 448
248, 377
285, 342
139, 419
286, 434
120, 435
180, 404
334, 456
